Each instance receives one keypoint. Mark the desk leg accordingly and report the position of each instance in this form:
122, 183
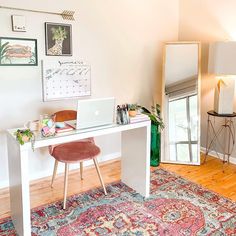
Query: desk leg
135, 159
19, 187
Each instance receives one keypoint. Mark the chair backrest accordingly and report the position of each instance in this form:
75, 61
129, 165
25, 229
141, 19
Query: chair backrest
65, 115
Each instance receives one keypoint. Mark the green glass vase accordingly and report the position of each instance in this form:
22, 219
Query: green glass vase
155, 145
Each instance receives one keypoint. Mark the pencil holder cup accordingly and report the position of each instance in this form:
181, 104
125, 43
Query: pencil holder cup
47, 125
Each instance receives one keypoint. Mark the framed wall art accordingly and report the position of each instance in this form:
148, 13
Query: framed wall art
58, 38
18, 52
18, 23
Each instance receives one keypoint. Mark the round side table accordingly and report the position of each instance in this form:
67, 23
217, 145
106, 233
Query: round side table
226, 145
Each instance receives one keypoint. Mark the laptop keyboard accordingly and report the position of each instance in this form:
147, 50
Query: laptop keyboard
97, 127
73, 124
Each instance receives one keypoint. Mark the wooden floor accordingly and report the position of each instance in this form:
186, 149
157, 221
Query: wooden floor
213, 175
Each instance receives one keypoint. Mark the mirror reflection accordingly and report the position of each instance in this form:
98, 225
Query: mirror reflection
181, 113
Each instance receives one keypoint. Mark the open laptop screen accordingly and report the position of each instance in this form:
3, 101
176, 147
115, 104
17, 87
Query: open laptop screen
95, 112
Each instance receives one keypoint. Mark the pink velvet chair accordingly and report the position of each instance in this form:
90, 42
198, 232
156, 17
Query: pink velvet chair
74, 152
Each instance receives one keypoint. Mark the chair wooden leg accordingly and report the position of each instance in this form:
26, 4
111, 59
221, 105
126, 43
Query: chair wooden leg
65, 184
54, 172
99, 175
81, 170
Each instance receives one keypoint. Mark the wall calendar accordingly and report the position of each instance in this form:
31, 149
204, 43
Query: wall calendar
65, 79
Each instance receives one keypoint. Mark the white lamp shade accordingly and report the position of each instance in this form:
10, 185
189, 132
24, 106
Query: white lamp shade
222, 62
222, 58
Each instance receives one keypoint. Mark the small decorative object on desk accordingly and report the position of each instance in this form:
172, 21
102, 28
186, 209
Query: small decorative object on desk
33, 125
122, 115
47, 125
132, 110
24, 136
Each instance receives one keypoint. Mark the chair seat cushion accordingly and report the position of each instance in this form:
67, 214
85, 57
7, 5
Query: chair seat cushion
75, 151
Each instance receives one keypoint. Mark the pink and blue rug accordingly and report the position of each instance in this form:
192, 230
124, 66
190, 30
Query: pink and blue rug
176, 207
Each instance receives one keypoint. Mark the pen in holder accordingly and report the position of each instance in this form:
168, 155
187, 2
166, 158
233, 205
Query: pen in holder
47, 125
122, 115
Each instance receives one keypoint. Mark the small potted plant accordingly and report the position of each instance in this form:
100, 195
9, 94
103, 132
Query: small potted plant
24, 136
132, 110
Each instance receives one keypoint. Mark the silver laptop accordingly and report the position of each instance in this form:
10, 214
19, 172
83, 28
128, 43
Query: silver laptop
93, 113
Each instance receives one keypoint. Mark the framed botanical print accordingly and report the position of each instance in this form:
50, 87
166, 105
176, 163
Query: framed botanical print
18, 52
58, 38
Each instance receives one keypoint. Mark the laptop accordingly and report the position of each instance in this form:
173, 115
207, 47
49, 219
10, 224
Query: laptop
94, 113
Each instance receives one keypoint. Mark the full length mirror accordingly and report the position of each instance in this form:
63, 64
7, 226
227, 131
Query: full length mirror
181, 102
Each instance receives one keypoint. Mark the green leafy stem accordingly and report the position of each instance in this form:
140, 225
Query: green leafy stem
154, 115
3, 50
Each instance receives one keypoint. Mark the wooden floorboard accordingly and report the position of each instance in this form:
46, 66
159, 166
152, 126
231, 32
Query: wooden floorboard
212, 175
41, 193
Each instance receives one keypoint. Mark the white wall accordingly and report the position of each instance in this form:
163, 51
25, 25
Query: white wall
207, 21
122, 40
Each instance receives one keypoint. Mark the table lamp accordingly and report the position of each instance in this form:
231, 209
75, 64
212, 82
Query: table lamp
222, 63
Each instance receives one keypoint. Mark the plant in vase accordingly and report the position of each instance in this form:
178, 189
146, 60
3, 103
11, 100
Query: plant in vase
157, 125
132, 110
25, 135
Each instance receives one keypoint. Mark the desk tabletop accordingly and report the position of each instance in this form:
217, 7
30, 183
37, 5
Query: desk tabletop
77, 134
213, 113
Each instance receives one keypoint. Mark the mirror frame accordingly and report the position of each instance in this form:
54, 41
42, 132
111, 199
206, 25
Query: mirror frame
163, 133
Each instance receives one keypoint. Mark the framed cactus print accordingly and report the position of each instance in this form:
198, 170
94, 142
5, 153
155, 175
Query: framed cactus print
18, 52
58, 38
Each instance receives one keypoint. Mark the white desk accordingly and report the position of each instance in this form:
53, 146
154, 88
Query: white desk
135, 161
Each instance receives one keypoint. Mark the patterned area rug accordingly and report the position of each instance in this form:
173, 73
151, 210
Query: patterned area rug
176, 207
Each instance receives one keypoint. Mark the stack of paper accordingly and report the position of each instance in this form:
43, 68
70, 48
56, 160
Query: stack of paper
139, 118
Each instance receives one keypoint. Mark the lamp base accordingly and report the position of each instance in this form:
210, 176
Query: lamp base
224, 96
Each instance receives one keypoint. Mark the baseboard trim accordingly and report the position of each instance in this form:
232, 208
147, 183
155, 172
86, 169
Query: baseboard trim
213, 153
101, 159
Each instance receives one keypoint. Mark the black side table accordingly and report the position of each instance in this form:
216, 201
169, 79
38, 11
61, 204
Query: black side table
227, 128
